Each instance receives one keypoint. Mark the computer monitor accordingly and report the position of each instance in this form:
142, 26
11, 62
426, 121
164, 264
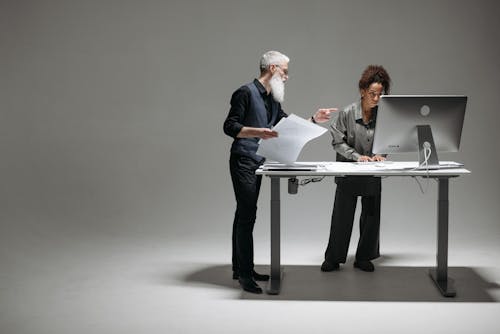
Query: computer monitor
422, 123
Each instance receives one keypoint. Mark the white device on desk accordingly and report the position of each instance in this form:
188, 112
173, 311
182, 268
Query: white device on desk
422, 123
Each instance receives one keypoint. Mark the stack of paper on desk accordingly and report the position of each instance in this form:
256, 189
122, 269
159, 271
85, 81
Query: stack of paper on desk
293, 133
298, 166
383, 166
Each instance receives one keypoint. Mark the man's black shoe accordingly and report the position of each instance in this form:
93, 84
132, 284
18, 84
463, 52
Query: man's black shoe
364, 265
256, 276
327, 266
260, 277
248, 284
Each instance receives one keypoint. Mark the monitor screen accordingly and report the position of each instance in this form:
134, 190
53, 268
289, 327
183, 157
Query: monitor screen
399, 115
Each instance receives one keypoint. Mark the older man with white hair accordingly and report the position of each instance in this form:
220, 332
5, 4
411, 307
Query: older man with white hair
255, 109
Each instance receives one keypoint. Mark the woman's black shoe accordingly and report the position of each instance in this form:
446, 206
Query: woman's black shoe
327, 266
364, 265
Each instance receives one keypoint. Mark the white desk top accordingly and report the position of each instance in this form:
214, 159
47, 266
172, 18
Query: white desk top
333, 168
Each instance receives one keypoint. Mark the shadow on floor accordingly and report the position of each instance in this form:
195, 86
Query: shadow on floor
387, 283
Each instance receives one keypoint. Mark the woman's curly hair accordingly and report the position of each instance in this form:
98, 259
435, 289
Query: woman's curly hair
378, 74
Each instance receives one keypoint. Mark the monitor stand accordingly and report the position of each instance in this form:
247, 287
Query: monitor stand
426, 143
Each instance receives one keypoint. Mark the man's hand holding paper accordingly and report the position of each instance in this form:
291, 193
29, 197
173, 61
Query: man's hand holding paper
293, 133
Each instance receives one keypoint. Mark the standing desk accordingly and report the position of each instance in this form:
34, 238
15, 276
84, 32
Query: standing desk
439, 274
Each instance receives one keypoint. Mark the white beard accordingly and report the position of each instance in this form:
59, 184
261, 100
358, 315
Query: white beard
277, 88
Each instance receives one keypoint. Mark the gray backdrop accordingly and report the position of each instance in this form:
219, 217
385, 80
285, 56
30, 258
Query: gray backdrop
112, 111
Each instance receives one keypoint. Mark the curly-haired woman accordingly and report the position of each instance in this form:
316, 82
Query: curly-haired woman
352, 133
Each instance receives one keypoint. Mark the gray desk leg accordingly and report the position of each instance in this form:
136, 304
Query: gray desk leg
440, 274
274, 285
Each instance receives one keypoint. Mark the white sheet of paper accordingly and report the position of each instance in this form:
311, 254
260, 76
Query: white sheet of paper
382, 166
293, 133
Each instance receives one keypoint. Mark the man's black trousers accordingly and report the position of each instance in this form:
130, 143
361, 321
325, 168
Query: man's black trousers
246, 187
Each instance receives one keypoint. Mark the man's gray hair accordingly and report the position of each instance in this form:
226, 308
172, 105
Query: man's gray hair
272, 58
